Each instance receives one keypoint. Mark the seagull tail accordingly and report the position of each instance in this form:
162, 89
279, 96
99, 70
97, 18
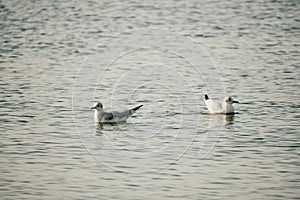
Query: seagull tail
136, 108
206, 97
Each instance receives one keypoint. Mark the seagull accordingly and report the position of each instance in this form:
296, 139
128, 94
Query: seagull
224, 107
111, 117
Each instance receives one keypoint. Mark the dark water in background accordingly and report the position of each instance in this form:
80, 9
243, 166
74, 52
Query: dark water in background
254, 44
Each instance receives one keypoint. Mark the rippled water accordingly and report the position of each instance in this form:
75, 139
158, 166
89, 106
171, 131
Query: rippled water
171, 148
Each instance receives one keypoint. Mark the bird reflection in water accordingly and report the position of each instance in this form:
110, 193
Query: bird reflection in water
109, 126
221, 119
99, 128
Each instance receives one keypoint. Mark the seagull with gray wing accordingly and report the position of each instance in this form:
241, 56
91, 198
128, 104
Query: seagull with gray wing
112, 117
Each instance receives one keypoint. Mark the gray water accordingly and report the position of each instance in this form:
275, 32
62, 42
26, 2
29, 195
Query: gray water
171, 148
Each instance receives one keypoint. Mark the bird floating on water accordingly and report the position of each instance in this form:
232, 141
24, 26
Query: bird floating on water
111, 117
224, 107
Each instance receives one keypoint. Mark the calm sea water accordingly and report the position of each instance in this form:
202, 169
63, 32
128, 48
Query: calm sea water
171, 148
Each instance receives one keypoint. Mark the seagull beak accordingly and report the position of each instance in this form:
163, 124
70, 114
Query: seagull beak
235, 102
92, 108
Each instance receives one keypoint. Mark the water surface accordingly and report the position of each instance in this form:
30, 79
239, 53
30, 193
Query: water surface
50, 152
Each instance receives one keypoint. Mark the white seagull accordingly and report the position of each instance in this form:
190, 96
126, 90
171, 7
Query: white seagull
220, 108
111, 117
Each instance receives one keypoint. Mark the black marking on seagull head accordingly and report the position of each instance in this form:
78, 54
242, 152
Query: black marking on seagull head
230, 100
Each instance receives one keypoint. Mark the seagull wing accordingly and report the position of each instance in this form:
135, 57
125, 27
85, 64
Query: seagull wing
213, 107
117, 116
108, 116
121, 116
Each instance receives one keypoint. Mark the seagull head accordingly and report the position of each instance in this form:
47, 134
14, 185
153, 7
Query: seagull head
230, 100
97, 106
